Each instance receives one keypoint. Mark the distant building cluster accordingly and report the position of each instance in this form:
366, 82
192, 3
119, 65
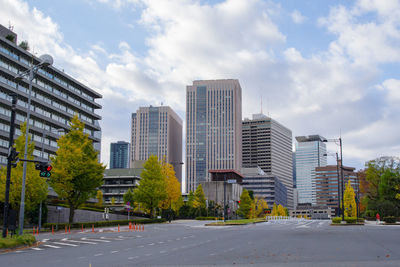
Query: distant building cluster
220, 147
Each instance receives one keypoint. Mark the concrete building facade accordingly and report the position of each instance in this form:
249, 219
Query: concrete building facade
268, 144
117, 182
310, 152
326, 180
266, 186
119, 155
55, 98
213, 129
157, 131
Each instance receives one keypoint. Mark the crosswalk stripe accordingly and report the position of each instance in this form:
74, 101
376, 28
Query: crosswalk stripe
77, 241
109, 238
37, 248
95, 240
50, 246
65, 244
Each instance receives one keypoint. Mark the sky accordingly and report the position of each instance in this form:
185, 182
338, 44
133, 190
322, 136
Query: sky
321, 67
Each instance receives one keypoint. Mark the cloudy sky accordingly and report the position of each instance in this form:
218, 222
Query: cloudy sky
322, 67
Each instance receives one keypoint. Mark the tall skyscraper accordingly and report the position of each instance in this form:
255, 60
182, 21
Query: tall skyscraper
268, 144
310, 152
157, 131
213, 129
119, 155
55, 98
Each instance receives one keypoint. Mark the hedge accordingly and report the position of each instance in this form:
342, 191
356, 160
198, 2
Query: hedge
389, 219
336, 220
101, 223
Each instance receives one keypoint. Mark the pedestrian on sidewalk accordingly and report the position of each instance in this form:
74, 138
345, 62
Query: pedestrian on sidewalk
378, 219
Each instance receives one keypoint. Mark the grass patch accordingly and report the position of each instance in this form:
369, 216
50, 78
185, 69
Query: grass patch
238, 222
16, 241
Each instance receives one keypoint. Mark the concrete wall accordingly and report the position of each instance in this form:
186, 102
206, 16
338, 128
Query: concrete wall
215, 191
61, 216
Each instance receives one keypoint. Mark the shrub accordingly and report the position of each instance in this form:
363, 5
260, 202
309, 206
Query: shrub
389, 219
101, 223
16, 241
350, 219
336, 220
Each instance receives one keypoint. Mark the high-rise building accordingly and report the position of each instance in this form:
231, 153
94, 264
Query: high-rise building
55, 99
157, 131
327, 188
213, 129
268, 144
119, 155
310, 153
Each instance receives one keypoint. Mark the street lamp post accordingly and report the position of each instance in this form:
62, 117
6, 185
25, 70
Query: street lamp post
41, 202
47, 60
341, 171
338, 181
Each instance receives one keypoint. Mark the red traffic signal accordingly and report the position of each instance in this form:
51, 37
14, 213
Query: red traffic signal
49, 168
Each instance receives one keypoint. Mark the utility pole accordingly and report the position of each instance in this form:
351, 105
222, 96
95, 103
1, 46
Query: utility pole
338, 182
10, 158
341, 171
224, 196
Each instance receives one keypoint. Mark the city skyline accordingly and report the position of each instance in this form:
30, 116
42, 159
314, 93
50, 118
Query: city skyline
313, 60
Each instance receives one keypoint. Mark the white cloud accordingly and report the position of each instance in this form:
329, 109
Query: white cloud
297, 17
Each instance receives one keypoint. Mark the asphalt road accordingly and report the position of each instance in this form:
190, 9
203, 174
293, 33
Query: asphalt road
294, 243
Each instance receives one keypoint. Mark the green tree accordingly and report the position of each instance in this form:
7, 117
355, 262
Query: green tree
350, 207
24, 45
129, 196
190, 199
113, 201
245, 205
151, 190
199, 203
35, 186
76, 170
260, 206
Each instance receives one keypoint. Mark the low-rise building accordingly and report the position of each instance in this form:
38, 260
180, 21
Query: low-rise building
117, 182
266, 186
311, 212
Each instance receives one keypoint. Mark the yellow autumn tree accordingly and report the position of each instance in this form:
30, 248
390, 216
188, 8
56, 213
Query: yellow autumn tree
173, 188
260, 206
274, 211
350, 207
281, 210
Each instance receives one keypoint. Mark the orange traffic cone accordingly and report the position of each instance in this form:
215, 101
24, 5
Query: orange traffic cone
52, 230
82, 227
66, 229
69, 228
92, 228
118, 228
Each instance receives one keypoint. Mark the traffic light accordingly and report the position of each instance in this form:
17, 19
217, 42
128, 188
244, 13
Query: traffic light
267, 211
44, 169
13, 156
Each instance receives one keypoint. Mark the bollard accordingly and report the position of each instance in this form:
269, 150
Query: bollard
52, 230
82, 227
34, 230
69, 228
142, 227
92, 228
66, 230
118, 228
130, 226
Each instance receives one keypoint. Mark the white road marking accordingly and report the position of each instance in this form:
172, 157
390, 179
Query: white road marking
139, 236
120, 236
147, 255
162, 251
50, 246
178, 239
19, 251
212, 254
95, 240
131, 258
151, 244
109, 238
126, 249
160, 242
115, 251
37, 248
44, 240
77, 241
65, 244
96, 255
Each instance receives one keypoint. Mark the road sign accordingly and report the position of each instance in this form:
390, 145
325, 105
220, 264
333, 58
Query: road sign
231, 181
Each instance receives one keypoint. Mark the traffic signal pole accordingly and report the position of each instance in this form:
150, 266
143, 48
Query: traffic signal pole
9, 161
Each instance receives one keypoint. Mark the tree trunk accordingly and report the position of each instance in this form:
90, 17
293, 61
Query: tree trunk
71, 213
